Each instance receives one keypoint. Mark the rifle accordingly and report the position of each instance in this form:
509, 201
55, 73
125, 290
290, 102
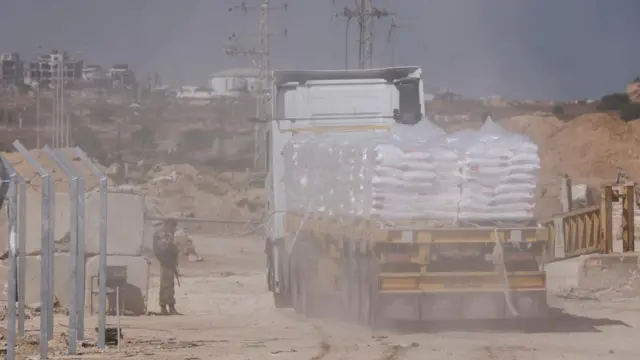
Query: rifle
177, 274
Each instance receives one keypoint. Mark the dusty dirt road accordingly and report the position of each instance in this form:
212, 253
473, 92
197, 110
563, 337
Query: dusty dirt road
228, 314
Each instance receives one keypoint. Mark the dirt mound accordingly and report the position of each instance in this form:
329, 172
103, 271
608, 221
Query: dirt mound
183, 189
587, 148
60, 179
590, 147
539, 128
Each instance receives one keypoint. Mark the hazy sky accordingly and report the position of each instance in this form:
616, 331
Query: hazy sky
515, 48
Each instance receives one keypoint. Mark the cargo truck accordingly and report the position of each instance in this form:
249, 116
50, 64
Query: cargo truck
370, 270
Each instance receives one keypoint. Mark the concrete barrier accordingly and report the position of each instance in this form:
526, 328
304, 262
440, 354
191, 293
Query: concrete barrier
61, 282
34, 221
564, 275
595, 273
135, 293
611, 271
125, 223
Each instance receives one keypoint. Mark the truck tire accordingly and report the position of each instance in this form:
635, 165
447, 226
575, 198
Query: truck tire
367, 293
298, 298
350, 291
353, 302
281, 301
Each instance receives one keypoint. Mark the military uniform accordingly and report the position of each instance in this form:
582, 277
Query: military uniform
167, 254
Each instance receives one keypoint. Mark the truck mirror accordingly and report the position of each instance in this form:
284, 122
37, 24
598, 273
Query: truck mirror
396, 115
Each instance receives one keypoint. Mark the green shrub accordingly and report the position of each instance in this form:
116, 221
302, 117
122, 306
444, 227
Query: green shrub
557, 110
630, 112
613, 101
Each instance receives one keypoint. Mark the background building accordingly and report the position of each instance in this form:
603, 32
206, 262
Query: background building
11, 70
233, 82
44, 69
121, 76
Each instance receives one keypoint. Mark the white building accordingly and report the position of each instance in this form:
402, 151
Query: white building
234, 81
93, 73
195, 92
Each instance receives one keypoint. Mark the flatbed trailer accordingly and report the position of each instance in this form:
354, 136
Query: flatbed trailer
415, 273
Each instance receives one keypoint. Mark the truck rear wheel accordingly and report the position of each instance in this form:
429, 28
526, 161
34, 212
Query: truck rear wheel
367, 297
281, 301
298, 298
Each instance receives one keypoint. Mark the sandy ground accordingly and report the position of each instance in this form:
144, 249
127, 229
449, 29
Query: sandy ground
228, 314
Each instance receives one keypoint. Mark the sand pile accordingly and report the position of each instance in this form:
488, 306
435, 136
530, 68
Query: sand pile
539, 128
60, 179
183, 189
590, 147
587, 148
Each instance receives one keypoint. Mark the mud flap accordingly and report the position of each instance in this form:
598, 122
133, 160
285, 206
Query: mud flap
276, 273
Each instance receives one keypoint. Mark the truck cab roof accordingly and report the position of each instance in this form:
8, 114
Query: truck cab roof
281, 77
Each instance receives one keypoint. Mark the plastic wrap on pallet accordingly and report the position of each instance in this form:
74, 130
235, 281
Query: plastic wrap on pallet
414, 172
500, 174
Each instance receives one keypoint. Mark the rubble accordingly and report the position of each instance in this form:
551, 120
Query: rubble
183, 189
111, 335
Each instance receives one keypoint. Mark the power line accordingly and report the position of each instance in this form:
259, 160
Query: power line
365, 13
390, 40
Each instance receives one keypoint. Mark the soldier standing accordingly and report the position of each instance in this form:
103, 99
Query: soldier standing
167, 254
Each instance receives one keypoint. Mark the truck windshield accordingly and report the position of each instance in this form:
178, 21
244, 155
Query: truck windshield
409, 111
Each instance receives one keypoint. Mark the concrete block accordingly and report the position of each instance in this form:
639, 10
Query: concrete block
125, 223
564, 275
34, 221
595, 273
134, 295
61, 280
611, 271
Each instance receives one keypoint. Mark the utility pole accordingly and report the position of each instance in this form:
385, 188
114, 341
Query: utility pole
365, 13
38, 115
263, 59
57, 66
390, 40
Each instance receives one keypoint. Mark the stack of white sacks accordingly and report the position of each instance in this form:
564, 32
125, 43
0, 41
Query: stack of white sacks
500, 174
414, 172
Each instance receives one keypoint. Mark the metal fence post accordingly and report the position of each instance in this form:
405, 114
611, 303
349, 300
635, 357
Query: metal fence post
73, 248
81, 242
51, 216
46, 254
21, 235
102, 265
81, 258
22, 252
11, 201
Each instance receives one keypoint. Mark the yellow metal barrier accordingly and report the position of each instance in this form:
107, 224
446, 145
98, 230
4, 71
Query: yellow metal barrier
590, 230
581, 232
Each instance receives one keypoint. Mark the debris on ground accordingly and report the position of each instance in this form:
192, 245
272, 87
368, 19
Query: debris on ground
183, 189
625, 288
111, 335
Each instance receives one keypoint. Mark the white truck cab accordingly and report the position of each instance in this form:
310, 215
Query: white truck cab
328, 101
